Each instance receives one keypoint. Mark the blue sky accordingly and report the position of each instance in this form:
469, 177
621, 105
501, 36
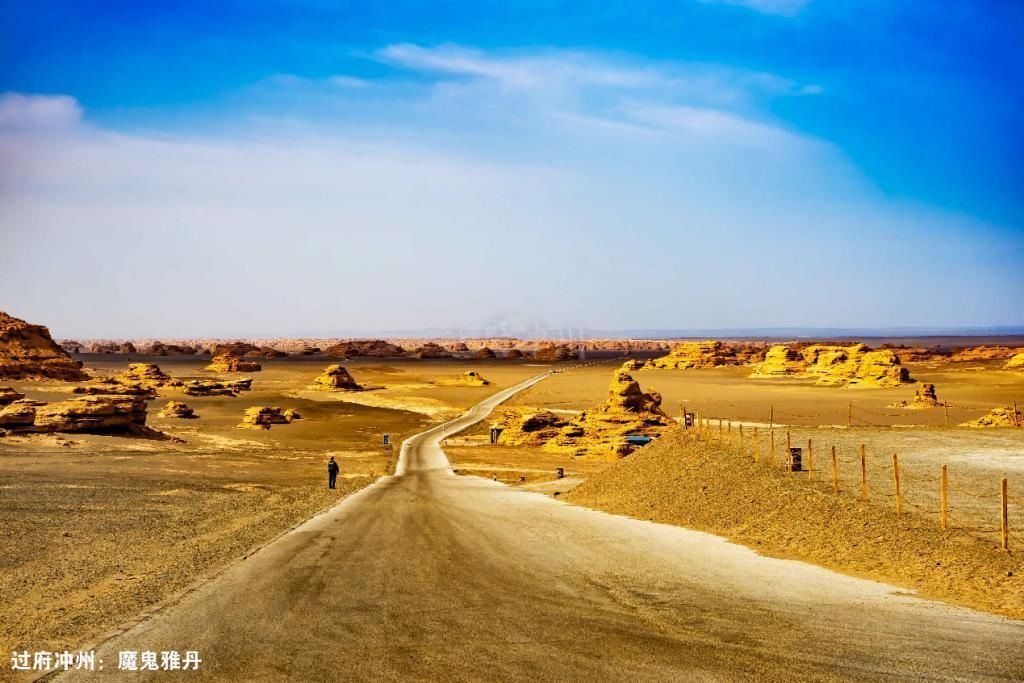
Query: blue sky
367, 166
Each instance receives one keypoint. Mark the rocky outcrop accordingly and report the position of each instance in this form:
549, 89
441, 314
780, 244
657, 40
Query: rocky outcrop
1015, 363
161, 349
19, 415
140, 379
111, 347
484, 353
28, 352
781, 361
209, 387
527, 428
997, 417
336, 378
71, 346
855, 365
981, 353
179, 410
514, 354
309, 350
9, 395
912, 354
458, 347
924, 398
431, 350
604, 429
88, 414
262, 417
227, 362
466, 379
374, 348
552, 353
708, 354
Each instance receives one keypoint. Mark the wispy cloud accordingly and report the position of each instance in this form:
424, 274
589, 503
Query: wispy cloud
18, 110
786, 8
606, 91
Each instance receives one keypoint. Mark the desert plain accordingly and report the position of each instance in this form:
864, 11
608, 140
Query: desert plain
104, 524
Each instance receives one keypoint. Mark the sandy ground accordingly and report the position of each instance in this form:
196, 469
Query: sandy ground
96, 531
679, 480
971, 388
976, 459
428, 576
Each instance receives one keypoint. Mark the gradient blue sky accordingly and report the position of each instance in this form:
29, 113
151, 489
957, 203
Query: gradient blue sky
282, 168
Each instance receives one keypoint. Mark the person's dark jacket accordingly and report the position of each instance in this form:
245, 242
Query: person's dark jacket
332, 467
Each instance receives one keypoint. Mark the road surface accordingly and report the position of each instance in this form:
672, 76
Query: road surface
430, 576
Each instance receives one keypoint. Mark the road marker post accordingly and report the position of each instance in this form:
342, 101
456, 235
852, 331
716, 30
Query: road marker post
944, 498
757, 446
720, 440
1004, 517
771, 434
863, 473
741, 441
896, 484
835, 472
789, 452
810, 461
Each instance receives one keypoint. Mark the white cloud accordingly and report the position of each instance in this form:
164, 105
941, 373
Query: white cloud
786, 8
581, 188
38, 111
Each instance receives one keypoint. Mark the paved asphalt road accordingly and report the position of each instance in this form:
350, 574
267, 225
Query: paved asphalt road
430, 576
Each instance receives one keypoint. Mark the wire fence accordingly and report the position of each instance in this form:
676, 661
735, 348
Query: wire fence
974, 502
857, 415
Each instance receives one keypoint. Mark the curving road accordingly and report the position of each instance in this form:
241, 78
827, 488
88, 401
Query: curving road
429, 576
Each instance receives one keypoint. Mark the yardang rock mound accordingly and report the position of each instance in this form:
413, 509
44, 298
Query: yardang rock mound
336, 378
28, 352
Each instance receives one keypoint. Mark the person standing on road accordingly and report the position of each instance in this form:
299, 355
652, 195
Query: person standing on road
332, 472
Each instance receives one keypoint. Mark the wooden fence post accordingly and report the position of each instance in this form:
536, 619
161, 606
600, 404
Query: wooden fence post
896, 483
771, 416
945, 407
835, 472
810, 461
741, 441
771, 435
944, 498
849, 415
757, 446
719, 432
1004, 517
1016, 421
789, 452
863, 473
728, 434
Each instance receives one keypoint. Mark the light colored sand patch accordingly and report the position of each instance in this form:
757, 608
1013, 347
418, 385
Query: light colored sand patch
381, 399
228, 443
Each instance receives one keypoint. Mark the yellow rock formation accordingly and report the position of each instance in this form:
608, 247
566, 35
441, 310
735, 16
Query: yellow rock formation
527, 428
227, 362
708, 354
924, 398
466, 379
997, 417
336, 378
177, 409
28, 352
1015, 363
262, 417
604, 429
855, 365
